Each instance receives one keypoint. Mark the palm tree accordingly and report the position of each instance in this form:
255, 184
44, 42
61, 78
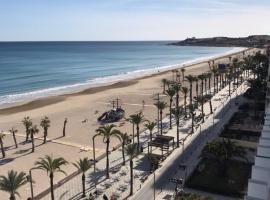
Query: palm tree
123, 137
51, 166
161, 105
137, 119
183, 73
208, 98
170, 92
27, 122
83, 165
45, 124
196, 79
64, 128
178, 113
192, 108
106, 131
209, 76
150, 126
190, 79
131, 152
13, 131
222, 151
201, 78
184, 90
215, 74
2, 135
205, 81
33, 130
177, 88
201, 100
229, 78
130, 119
12, 182
164, 82
209, 64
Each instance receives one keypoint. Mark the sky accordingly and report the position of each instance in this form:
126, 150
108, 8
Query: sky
117, 20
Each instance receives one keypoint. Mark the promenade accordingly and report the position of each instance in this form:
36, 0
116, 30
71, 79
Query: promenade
118, 184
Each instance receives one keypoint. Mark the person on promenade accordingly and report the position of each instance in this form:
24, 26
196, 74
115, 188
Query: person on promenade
105, 197
91, 197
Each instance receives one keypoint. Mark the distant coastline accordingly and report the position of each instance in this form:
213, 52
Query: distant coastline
250, 41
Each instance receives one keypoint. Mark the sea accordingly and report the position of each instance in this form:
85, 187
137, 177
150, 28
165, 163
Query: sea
34, 70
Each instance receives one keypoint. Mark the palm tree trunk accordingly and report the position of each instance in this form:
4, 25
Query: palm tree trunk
33, 142
202, 113
123, 153
185, 105
161, 125
197, 89
12, 197
229, 88
131, 176
214, 85
190, 94
27, 135
2, 148
107, 159
217, 83
64, 129
45, 136
138, 137
205, 86
15, 141
209, 85
83, 185
177, 131
211, 108
133, 132
202, 87
192, 123
51, 183
171, 113
177, 99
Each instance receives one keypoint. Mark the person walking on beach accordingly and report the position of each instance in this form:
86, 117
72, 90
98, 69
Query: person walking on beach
64, 128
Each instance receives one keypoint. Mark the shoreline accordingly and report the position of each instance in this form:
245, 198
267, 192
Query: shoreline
50, 100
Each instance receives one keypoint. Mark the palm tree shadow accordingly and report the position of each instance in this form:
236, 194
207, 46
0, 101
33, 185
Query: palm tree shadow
6, 160
95, 177
143, 164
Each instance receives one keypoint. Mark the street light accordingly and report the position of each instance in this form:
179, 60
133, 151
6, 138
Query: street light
183, 167
154, 185
31, 181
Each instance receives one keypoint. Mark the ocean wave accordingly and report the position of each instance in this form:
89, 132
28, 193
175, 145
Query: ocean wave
21, 98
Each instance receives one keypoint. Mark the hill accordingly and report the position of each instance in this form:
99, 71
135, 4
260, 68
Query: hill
250, 41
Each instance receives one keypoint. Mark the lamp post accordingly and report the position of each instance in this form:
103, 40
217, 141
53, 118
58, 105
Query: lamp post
31, 181
154, 185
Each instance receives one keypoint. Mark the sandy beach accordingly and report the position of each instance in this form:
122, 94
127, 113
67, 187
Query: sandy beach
82, 110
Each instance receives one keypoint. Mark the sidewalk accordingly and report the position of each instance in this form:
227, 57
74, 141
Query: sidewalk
208, 131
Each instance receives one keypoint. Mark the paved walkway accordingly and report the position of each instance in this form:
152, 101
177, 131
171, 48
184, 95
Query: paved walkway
193, 146
119, 181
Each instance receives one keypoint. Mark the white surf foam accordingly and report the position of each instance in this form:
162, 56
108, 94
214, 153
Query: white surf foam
17, 99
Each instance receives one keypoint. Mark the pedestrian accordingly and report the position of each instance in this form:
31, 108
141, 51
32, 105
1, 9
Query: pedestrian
105, 197
91, 197
143, 104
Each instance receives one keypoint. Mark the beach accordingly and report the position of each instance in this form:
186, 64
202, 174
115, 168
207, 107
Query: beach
82, 110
